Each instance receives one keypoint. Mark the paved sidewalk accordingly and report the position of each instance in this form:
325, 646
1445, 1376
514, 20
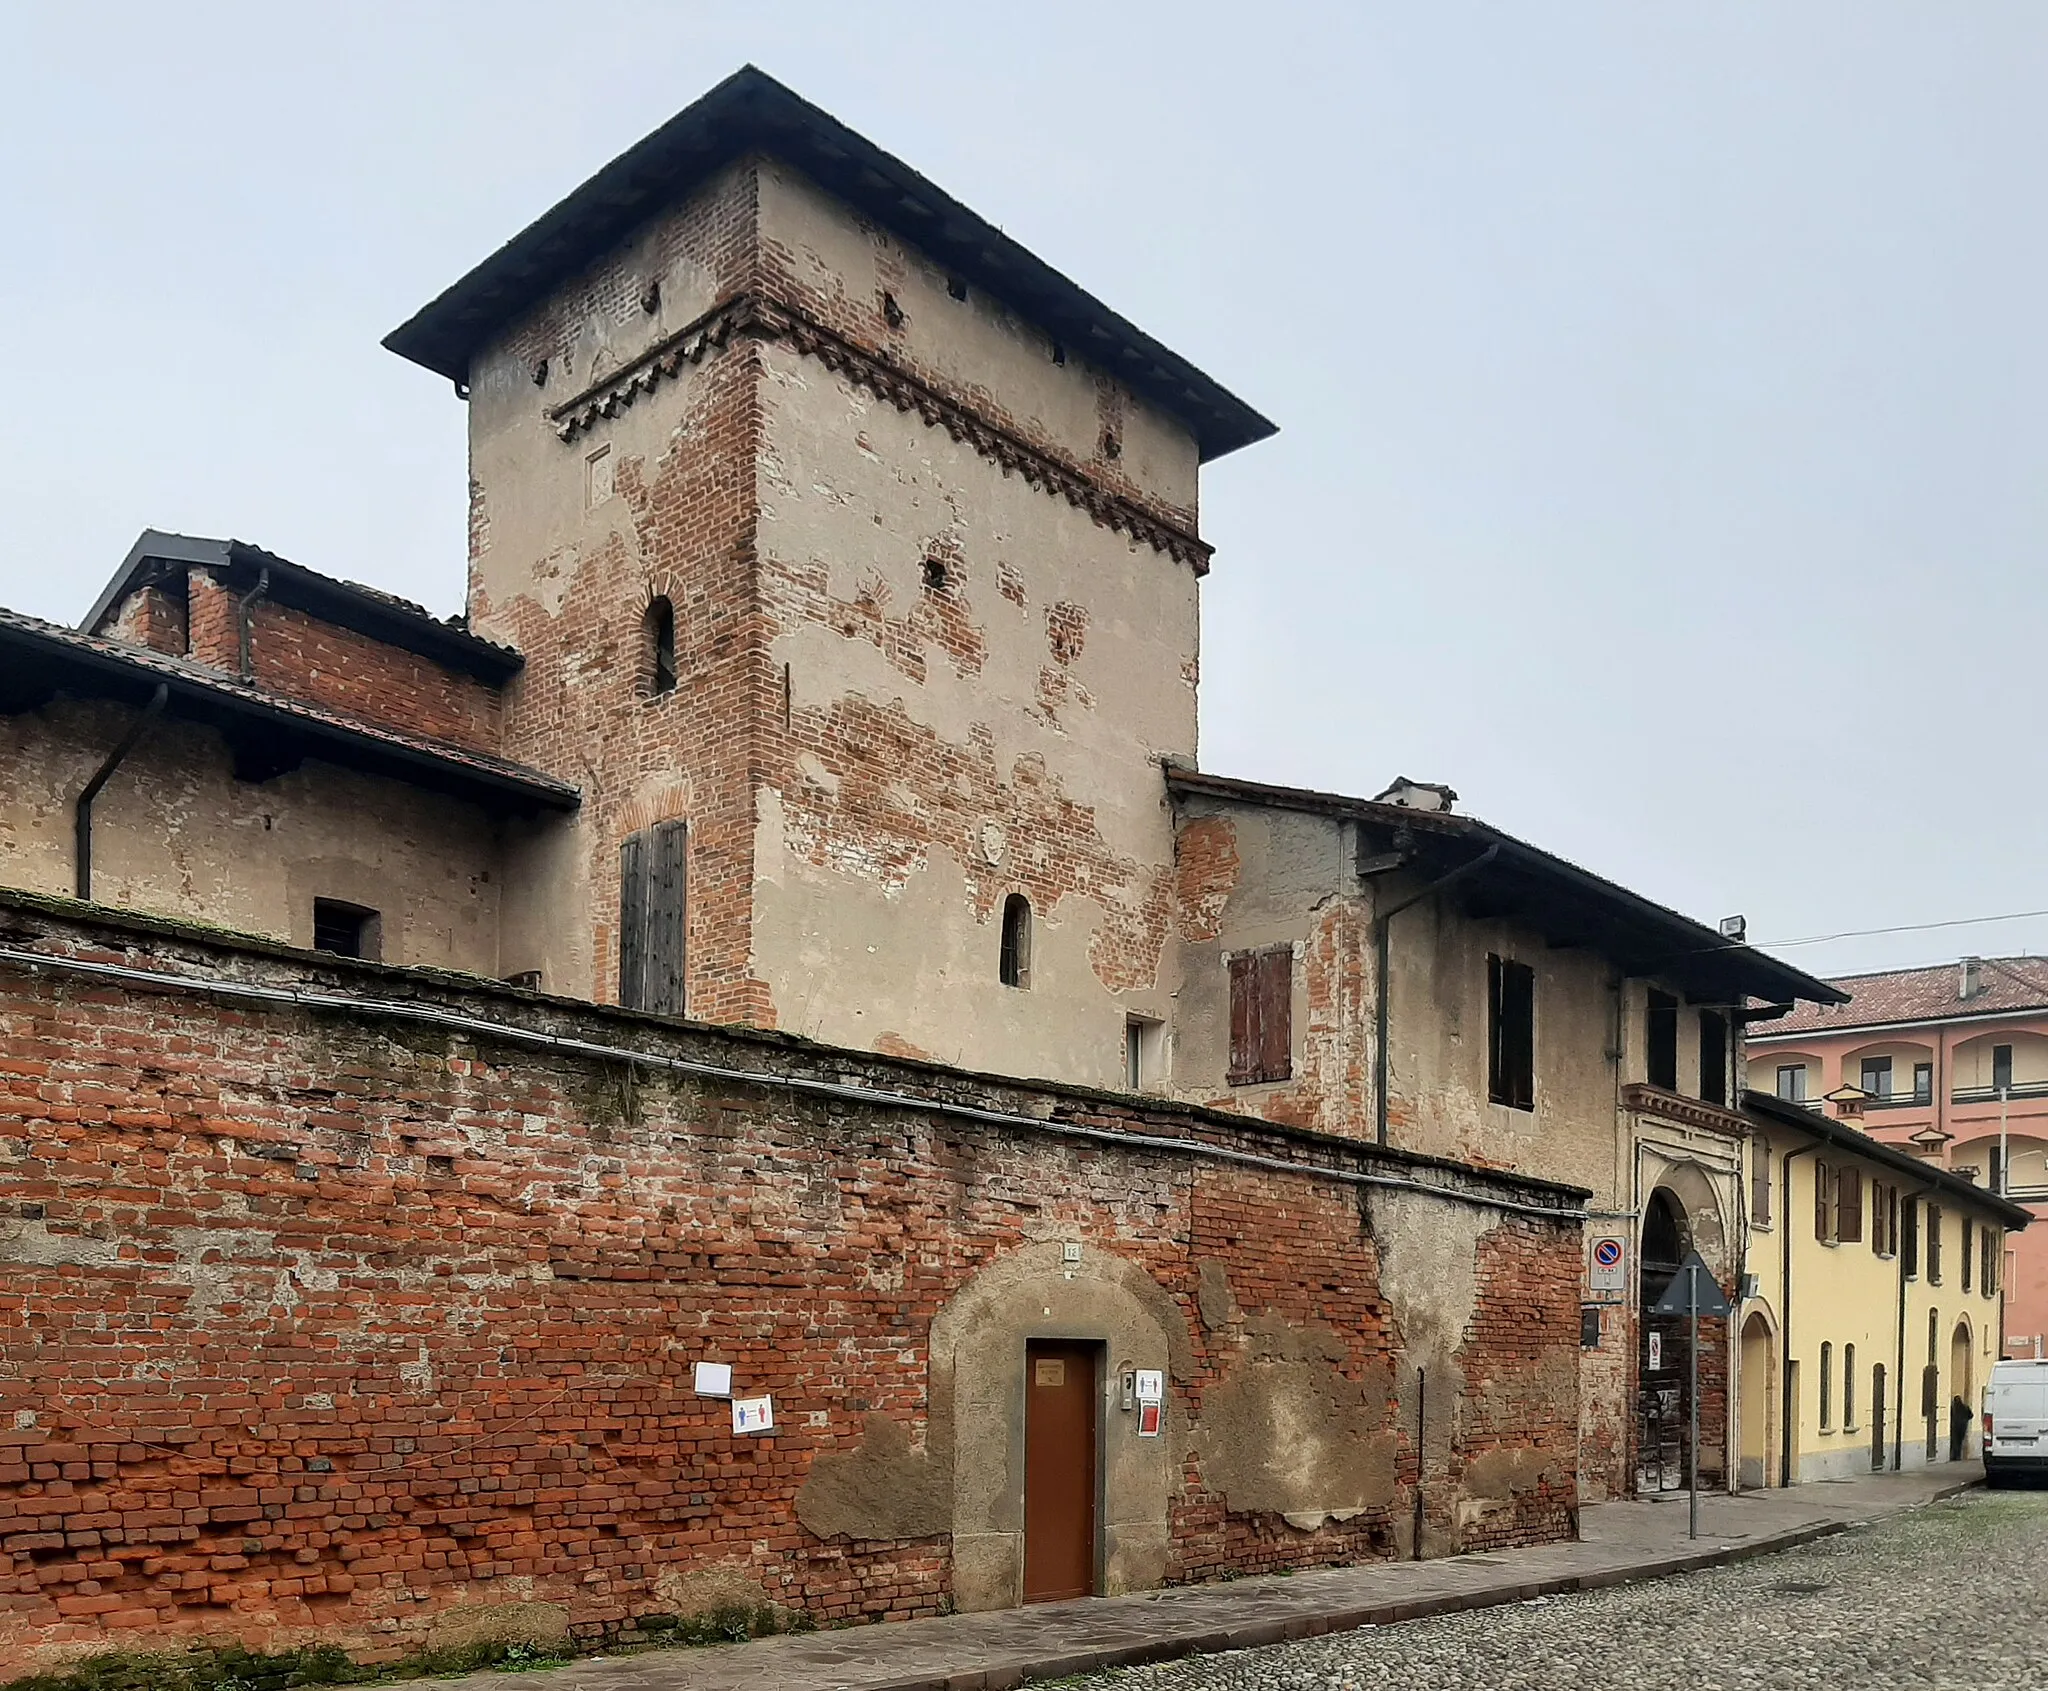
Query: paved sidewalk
992, 1652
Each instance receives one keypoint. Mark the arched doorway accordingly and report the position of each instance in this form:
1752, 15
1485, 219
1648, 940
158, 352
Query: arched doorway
1757, 1388
1962, 1404
1661, 1408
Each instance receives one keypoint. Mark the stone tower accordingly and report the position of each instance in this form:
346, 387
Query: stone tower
854, 556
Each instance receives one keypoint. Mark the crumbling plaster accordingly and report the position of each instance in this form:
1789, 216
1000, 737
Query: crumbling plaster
175, 832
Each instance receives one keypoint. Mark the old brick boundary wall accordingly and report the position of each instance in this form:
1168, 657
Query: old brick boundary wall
337, 1322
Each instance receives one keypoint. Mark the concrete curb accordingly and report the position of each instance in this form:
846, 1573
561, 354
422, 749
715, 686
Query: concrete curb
1296, 1627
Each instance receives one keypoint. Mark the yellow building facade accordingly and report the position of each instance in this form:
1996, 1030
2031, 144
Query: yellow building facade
1872, 1303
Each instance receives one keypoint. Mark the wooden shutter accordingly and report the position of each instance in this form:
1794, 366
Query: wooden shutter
1760, 1182
1518, 1015
1849, 1207
653, 918
1261, 1016
633, 922
1820, 1202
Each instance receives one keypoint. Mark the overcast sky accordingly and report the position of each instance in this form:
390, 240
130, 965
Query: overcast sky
1663, 388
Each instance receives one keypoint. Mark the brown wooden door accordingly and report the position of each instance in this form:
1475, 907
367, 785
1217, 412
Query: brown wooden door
1060, 1407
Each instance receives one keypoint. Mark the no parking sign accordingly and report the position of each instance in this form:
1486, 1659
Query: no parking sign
1610, 1264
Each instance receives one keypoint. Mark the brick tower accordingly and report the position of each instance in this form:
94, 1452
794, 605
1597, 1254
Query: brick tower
853, 553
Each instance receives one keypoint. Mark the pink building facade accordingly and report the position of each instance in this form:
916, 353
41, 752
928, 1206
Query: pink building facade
1951, 1064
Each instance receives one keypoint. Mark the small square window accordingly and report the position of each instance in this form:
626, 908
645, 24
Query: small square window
345, 930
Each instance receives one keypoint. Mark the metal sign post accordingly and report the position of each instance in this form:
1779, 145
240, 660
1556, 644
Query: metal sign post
1700, 1294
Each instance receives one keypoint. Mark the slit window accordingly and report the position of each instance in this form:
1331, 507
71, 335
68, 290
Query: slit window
1511, 1033
1934, 1244
661, 647
653, 908
345, 930
1713, 1057
1849, 1387
1662, 1038
1827, 1386
1261, 1016
1969, 1249
1013, 963
1141, 1052
1909, 1237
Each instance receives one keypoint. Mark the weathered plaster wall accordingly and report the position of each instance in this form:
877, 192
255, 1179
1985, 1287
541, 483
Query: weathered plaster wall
174, 832
346, 1326
569, 543
946, 744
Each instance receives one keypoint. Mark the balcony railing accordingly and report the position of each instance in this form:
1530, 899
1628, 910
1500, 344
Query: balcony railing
1989, 1094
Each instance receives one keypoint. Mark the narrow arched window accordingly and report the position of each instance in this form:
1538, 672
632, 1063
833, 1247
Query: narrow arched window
661, 644
1013, 967
1827, 1387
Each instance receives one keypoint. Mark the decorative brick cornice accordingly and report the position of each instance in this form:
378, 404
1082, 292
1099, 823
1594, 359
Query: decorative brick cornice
755, 314
1673, 1106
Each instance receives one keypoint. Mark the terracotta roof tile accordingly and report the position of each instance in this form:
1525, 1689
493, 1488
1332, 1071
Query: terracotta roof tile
1921, 995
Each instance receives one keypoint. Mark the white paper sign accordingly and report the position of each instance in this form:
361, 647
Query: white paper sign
1656, 1352
1151, 1385
753, 1415
714, 1379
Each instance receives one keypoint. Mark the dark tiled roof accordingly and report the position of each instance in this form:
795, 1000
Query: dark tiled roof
751, 112
1574, 905
2015, 984
367, 610
40, 659
1778, 1113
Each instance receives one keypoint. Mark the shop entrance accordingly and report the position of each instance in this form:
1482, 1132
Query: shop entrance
1062, 1407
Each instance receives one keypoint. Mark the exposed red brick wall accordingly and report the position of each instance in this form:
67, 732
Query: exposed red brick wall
212, 630
150, 617
307, 658
325, 1325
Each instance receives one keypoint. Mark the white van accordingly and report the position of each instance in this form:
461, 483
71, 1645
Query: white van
2016, 1421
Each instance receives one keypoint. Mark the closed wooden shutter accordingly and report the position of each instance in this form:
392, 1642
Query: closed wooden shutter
1849, 1208
1821, 1217
653, 918
1261, 1016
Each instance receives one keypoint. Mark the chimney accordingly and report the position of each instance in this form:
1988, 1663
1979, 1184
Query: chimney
1971, 980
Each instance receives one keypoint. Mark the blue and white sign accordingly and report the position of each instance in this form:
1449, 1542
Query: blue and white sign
1610, 1264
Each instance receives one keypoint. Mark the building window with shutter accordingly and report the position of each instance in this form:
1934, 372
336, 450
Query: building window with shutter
1511, 1033
1909, 1237
1713, 1057
1013, 960
1661, 1031
1934, 1244
1760, 1183
1969, 1249
1823, 1207
1261, 1016
1994, 1252
653, 904
1849, 1206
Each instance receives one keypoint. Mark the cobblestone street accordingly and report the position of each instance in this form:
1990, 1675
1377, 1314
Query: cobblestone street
1945, 1596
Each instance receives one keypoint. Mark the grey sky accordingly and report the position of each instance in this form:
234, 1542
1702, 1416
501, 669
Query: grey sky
1661, 386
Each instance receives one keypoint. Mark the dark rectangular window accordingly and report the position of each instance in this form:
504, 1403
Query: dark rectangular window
1823, 1202
1969, 1248
1994, 1251
1713, 1057
1827, 1386
653, 907
1877, 1076
1261, 1016
1511, 1033
346, 930
2001, 1066
1909, 1236
1760, 1183
1934, 1244
1662, 1033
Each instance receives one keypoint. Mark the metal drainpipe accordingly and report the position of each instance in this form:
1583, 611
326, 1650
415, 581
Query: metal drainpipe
82, 818
243, 607
1421, 1455
1380, 923
1788, 1410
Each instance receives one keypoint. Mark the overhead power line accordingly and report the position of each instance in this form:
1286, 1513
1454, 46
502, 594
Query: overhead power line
1902, 928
